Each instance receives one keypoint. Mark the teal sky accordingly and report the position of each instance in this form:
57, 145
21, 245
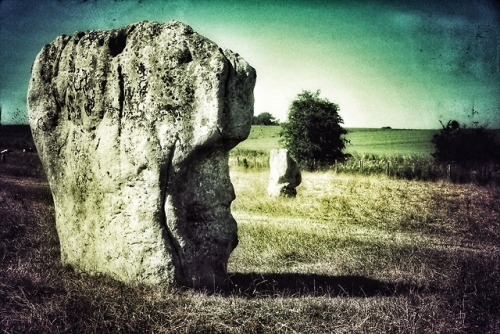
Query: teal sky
404, 64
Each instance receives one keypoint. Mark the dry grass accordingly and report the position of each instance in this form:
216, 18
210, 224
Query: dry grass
351, 254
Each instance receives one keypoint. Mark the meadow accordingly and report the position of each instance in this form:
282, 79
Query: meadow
400, 153
377, 142
352, 253
369, 145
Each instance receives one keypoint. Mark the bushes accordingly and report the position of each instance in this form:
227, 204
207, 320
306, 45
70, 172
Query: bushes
264, 118
465, 146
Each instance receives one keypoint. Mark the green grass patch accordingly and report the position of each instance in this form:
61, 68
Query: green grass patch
378, 142
262, 138
390, 142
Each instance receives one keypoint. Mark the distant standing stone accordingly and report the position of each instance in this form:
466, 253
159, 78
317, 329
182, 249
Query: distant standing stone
284, 174
133, 127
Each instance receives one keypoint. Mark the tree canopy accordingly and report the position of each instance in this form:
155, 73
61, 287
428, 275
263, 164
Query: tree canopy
313, 133
264, 118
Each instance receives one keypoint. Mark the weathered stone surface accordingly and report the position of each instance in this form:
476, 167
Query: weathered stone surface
133, 127
284, 174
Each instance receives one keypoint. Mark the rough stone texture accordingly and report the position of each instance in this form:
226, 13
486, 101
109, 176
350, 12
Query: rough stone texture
133, 127
284, 174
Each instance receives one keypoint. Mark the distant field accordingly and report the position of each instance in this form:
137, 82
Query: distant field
15, 137
381, 142
386, 142
262, 138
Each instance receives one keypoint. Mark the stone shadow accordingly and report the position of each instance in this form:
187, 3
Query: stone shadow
255, 285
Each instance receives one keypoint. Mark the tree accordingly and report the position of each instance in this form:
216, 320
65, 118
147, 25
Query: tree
264, 118
460, 144
19, 117
312, 133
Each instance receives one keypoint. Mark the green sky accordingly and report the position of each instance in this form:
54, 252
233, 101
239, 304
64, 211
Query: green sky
405, 64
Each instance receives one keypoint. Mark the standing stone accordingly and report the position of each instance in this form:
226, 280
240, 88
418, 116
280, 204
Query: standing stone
284, 174
133, 127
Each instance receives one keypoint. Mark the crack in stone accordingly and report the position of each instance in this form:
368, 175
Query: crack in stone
165, 174
121, 99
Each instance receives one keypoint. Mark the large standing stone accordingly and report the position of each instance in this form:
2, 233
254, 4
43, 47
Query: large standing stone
133, 127
284, 175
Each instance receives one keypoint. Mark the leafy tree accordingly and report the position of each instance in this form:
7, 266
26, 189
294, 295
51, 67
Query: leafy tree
313, 134
264, 118
460, 144
19, 117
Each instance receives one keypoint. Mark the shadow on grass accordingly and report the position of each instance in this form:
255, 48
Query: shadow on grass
254, 285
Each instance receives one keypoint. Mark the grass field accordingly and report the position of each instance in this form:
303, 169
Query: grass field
261, 138
379, 142
393, 152
350, 254
15, 137
390, 142
375, 147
